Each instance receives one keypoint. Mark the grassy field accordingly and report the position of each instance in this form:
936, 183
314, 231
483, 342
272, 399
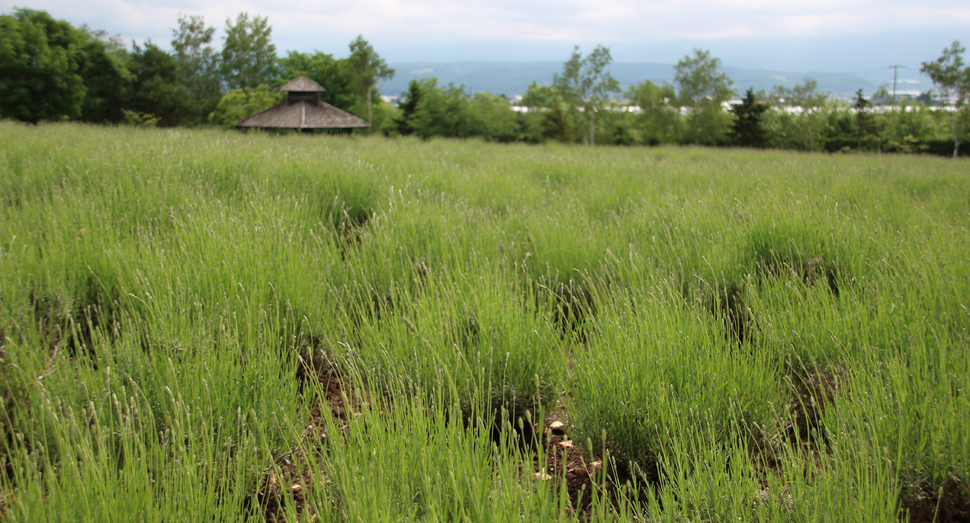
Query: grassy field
210, 326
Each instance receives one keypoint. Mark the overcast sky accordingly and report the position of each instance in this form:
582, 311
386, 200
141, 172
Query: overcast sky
793, 35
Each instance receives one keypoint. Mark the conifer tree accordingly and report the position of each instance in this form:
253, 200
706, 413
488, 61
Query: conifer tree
748, 131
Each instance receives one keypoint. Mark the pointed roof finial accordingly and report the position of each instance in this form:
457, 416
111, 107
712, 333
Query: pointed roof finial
302, 84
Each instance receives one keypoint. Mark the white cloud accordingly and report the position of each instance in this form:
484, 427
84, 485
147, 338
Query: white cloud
328, 25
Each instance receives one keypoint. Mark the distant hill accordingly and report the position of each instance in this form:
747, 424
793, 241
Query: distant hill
512, 78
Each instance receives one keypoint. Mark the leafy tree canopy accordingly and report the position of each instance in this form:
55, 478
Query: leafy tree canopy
156, 89
248, 55
493, 118
557, 124
198, 64
952, 80
659, 117
949, 75
442, 112
40, 67
104, 69
703, 90
367, 67
585, 83
240, 104
333, 75
805, 96
541, 96
701, 81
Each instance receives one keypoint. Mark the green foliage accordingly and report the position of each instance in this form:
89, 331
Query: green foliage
248, 57
367, 67
952, 80
541, 96
530, 128
156, 88
838, 122
240, 104
386, 118
41, 62
703, 88
908, 126
748, 131
451, 113
104, 68
659, 118
805, 95
796, 123
441, 112
557, 124
139, 119
948, 73
333, 75
586, 84
409, 107
494, 118
198, 65
866, 126
617, 126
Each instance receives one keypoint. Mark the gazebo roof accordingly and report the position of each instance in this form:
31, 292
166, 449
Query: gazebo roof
302, 110
302, 84
304, 114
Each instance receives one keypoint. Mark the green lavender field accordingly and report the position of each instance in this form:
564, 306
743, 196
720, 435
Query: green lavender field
213, 326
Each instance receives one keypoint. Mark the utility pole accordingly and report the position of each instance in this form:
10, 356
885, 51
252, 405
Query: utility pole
895, 69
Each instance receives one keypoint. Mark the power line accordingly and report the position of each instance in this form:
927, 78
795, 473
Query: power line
895, 69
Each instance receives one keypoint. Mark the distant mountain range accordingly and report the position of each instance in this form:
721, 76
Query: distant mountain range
512, 78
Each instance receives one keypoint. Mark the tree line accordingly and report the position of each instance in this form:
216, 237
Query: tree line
585, 104
52, 71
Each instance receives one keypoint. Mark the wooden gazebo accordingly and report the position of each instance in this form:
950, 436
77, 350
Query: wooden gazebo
302, 110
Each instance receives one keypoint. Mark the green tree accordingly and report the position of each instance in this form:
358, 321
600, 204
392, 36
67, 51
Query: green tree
952, 81
107, 80
659, 119
586, 84
409, 107
198, 65
866, 126
156, 89
617, 126
322, 68
798, 122
909, 127
541, 96
748, 131
248, 55
239, 104
40, 68
546, 118
557, 124
530, 128
838, 125
492, 117
703, 90
386, 118
368, 67
443, 112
